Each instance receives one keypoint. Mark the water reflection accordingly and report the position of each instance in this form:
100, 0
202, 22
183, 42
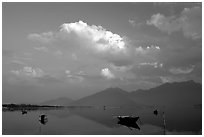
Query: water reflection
83, 121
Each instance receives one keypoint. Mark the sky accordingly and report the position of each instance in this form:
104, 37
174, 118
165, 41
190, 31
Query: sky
52, 50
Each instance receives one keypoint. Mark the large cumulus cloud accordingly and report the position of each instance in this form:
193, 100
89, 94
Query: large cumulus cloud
100, 52
98, 42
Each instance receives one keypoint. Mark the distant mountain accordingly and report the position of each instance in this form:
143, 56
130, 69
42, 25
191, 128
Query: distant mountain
112, 97
63, 101
169, 94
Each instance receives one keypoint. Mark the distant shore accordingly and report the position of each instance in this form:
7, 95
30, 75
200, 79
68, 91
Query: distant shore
29, 107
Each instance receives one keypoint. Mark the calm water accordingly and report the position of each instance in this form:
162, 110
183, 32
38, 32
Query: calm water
97, 121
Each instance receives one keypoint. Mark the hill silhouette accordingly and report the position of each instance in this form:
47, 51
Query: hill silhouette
177, 93
63, 101
112, 97
169, 94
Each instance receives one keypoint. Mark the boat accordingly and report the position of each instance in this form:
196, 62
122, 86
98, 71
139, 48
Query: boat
129, 121
24, 112
43, 119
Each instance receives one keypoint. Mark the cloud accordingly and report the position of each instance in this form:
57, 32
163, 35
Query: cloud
44, 49
46, 37
87, 39
136, 22
181, 70
107, 73
149, 69
181, 55
154, 64
120, 68
67, 72
166, 24
189, 21
18, 62
147, 50
132, 22
96, 42
85, 46
170, 79
74, 77
33, 72
81, 73
74, 56
147, 54
102, 39
193, 22
29, 72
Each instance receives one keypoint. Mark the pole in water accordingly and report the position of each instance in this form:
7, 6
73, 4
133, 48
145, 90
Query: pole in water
164, 123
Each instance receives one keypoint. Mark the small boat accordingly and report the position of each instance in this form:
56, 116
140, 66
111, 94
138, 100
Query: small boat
24, 112
128, 118
156, 112
43, 119
129, 121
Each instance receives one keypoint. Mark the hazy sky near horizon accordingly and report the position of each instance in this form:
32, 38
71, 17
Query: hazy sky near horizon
52, 50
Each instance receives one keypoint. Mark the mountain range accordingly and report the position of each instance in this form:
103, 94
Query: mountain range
168, 94
63, 101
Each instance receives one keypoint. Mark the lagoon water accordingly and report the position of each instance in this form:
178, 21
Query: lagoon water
100, 121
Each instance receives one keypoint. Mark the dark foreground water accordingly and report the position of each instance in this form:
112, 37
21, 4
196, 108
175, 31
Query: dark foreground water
100, 121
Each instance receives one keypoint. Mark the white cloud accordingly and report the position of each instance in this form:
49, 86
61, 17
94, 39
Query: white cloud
166, 24
193, 22
120, 68
96, 42
16, 72
101, 39
29, 72
44, 49
67, 72
107, 73
74, 77
189, 21
136, 22
147, 50
154, 64
147, 54
33, 72
132, 22
81, 73
181, 70
46, 37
